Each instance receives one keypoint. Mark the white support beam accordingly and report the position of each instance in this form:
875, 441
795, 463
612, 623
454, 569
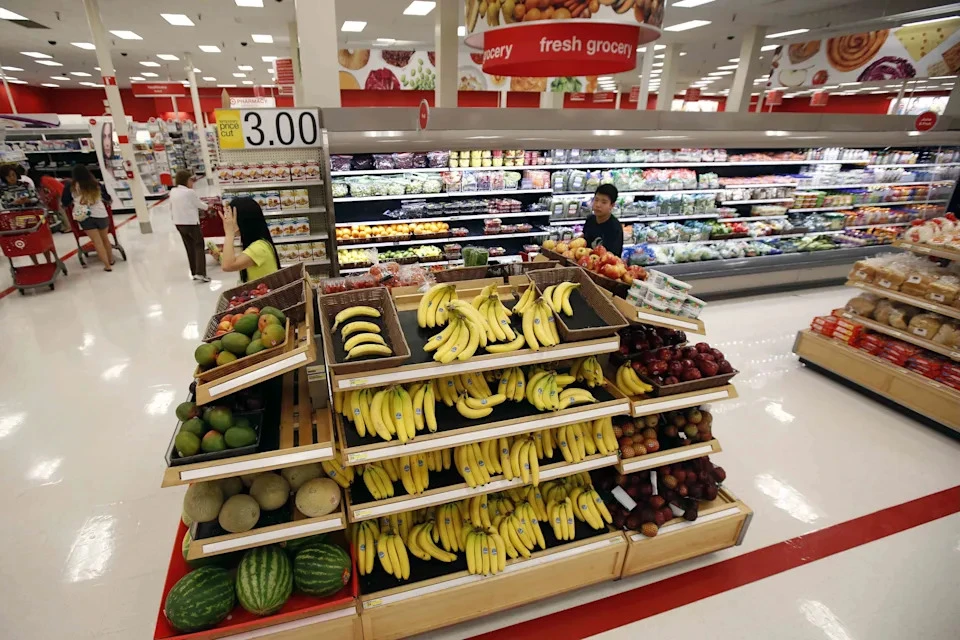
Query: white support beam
668, 82
321, 76
198, 119
446, 43
646, 67
739, 97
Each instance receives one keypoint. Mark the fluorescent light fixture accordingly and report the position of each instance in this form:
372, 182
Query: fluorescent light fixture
849, 84
683, 53
829, 86
353, 26
913, 133
245, 67
660, 56
689, 4
248, 82
656, 72
769, 47
250, 3
35, 54
149, 63
461, 31
49, 63
268, 58
209, 79
149, 74
89, 46
720, 73
11, 68
226, 86
6, 14
784, 34
48, 84
262, 38
605, 78
419, 8
185, 83
80, 74
239, 75
136, 78
177, 19
657, 64
167, 56
727, 67
686, 26
60, 78
209, 48
931, 21
126, 35
943, 77
873, 93
385, 41
778, 134
90, 84
16, 81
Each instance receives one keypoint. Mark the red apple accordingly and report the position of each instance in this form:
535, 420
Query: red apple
690, 374
624, 349
688, 363
689, 352
665, 353
717, 354
702, 347
651, 445
670, 380
708, 368
724, 367
705, 356
658, 367
675, 368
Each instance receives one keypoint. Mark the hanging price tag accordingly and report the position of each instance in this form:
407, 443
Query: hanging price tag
653, 481
622, 497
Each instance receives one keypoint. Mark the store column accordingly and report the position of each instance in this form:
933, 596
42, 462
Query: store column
446, 41
117, 113
551, 100
668, 81
321, 76
646, 72
739, 97
295, 61
198, 119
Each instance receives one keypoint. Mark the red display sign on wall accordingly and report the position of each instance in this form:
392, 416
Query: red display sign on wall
284, 68
578, 97
604, 96
774, 98
158, 89
819, 99
925, 121
634, 93
423, 116
560, 49
692, 94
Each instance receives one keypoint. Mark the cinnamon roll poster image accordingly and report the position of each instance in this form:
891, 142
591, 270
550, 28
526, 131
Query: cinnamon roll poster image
919, 51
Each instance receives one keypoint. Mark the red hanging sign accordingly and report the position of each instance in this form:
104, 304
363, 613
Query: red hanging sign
774, 98
925, 121
158, 89
635, 93
819, 99
284, 69
692, 94
423, 117
560, 48
578, 97
604, 96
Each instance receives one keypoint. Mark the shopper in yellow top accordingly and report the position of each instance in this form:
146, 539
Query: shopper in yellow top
259, 257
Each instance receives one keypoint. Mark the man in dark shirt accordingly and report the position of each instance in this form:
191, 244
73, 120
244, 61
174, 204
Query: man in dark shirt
602, 228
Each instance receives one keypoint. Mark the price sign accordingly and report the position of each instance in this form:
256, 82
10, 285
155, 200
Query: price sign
268, 128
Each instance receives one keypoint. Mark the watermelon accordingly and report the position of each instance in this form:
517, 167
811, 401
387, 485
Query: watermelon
321, 569
297, 545
264, 580
199, 600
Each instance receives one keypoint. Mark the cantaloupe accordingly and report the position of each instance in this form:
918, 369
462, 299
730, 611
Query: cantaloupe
318, 497
239, 513
270, 491
247, 480
202, 501
296, 476
230, 486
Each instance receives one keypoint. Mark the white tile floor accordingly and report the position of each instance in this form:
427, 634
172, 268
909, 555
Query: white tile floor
91, 374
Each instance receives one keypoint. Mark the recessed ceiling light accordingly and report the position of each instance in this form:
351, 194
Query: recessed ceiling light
913, 24
657, 64
727, 67
353, 26
136, 78
660, 56
195, 70
16, 81
656, 71
126, 35
49, 63
683, 53
149, 74
461, 31
177, 19
720, 73
778, 134
149, 63
209, 48
419, 8
10, 15
226, 86
784, 34
385, 41
250, 3
59, 78
268, 58
248, 82
11, 68
734, 59
689, 4
167, 56
209, 79
686, 26
262, 38
245, 67
35, 54
89, 46
48, 84
239, 75
769, 47
90, 84
80, 74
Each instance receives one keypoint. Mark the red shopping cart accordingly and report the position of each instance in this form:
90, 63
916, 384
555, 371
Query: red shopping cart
84, 246
26, 234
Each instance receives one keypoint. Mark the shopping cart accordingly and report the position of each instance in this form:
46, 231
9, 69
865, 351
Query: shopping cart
84, 246
25, 233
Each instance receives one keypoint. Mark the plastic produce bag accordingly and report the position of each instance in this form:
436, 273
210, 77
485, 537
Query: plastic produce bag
475, 256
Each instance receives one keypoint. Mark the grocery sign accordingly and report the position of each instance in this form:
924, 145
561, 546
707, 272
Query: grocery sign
569, 38
819, 99
774, 98
918, 51
925, 121
158, 89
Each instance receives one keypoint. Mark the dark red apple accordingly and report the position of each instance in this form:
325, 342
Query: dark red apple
634, 522
647, 514
624, 349
657, 367
710, 492
724, 367
690, 374
634, 492
648, 357
709, 368
641, 345
657, 502
702, 347
717, 354
670, 380
646, 490
688, 363
639, 367
660, 518
680, 475
665, 353
705, 356
651, 445
689, 352
675, 368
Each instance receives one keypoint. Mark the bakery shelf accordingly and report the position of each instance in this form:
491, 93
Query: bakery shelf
914, 301
303, 436
906, 336
762, 201
647, 406
409, 609
508, 419
720, 524
303, 617
445, 194
358, 512
815, 209
658, 318
243, 186
669, 456
928, 249
299, 527
923, 396
478, 216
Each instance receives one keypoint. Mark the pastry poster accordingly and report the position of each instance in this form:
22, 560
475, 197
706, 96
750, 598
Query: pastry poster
918, 51
482, 15
381, 69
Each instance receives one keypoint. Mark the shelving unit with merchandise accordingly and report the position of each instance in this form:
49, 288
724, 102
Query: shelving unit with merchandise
185, 146
55, 151
747, 211
150, 145
899, 338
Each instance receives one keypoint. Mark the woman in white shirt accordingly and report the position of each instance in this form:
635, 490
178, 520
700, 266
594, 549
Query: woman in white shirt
184, 205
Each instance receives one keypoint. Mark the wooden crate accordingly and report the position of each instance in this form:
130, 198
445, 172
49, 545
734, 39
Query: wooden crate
720, 524
305, 436
924, 396
648, 406
639, 315
431, 604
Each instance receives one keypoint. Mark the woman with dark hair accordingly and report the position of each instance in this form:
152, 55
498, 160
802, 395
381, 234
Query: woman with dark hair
89, 200
259, 257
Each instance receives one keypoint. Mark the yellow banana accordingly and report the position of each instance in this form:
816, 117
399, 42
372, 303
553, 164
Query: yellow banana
364, 350
471, 413
363, 338
358, 326
353, 312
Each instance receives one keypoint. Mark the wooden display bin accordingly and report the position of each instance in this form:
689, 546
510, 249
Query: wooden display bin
720, 524
431, 604
648, 406
640, 315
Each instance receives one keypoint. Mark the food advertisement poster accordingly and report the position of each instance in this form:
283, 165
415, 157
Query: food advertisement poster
482, 15
382, 69
918, 51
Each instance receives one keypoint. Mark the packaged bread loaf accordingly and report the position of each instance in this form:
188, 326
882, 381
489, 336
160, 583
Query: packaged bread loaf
863, 305
944, 290
863, 271
882, 313
900, 316
918, 283
925, 325
891, 276
948, 335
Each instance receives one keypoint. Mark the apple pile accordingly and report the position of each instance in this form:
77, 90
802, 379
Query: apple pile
663, 431
246, 296
638, 338
679, 487
609, 265
671, 365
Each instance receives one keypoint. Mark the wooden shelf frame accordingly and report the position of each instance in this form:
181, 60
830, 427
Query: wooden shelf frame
639, 315
669, 456
452, 493
906, 336
928, 249
648, 406
913, 301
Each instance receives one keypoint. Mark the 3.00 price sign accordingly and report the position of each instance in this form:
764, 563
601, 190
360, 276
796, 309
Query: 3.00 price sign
268, 128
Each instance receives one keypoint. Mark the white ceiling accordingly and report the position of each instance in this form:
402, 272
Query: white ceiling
222, 23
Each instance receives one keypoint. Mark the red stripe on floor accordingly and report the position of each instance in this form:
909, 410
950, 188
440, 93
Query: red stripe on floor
637, 604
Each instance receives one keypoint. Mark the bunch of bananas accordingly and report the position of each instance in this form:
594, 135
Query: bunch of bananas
512, 384
485, 550
364, 538
343, 476
630, 382
466, 330
390, 411
539, 325
475, 462
545, 391
604, 438
432, 310
361, 338
558, 296
378, 481
489, 305
587, 370
392, 554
